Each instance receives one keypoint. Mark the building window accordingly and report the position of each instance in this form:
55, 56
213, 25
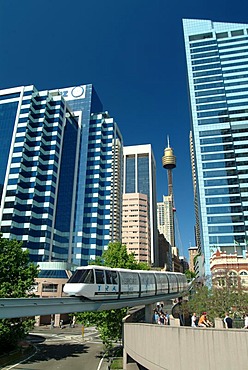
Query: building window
49, 288
233, 278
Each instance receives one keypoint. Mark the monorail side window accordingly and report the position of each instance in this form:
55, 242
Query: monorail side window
114, 277
99, 276
111, 277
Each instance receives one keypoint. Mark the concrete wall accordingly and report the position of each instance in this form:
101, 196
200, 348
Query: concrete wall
181, 348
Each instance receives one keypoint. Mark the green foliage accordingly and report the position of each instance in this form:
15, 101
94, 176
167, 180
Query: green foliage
190, 274
109, 323
217, 300
17, 274
116, 256
17, 277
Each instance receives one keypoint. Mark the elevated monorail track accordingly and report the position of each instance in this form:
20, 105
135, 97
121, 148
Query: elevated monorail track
29, 307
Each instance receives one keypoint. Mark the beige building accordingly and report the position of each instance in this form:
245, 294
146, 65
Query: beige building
193, 252
136, 227
49, 284
225, 266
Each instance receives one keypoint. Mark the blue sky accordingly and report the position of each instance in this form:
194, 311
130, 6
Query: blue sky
132, 51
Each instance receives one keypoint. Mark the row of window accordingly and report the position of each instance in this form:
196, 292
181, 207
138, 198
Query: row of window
226, 239
221, 132
207, 121
241, 49
225, 229
224, 139
220, 43
223, 182
220, 58
231, 219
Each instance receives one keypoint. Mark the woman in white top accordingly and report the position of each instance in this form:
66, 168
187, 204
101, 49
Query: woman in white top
193, 320
246, 321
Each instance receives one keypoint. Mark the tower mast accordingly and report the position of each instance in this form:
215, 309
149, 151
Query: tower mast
169, 162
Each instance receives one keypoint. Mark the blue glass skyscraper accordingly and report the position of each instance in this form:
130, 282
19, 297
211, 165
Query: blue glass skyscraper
60, 173
217, 62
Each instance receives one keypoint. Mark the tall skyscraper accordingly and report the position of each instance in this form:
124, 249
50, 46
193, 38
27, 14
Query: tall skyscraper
60, 173
140, 177
217, 62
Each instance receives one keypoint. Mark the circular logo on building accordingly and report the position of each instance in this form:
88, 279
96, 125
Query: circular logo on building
77, 91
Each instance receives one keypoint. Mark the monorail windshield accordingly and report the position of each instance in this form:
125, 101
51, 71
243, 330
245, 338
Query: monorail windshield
82, 276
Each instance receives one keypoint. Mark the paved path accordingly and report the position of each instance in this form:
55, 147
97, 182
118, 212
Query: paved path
64, 349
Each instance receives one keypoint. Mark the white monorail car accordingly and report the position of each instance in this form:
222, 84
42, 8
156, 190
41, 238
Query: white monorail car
100, 282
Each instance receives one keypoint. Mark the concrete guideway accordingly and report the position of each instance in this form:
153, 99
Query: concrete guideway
184, 348
25, 307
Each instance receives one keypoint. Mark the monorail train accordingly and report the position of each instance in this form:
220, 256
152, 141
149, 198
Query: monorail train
100, 282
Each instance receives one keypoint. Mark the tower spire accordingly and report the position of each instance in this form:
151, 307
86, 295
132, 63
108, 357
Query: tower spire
169, 162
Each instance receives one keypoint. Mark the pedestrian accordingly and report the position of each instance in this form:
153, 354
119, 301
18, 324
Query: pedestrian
52, 324
61, 324
203, 321
167, 316
162, 319
194, 320
155, 316
246, 321
158, 307
228, 321
161, 309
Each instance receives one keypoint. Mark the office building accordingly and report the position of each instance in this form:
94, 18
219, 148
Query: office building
184, 264
140, 177
165, 223
193, 253
165, 217
165, 253
136, 226
60, 173
217, 64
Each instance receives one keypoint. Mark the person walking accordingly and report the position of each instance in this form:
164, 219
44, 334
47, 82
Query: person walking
246, 321
52, 323
194, 320
203, 321
228, 321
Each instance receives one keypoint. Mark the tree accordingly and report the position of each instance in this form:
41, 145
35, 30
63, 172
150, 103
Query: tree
116, 256
190, 274
216, 300
109, 323
17, 278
